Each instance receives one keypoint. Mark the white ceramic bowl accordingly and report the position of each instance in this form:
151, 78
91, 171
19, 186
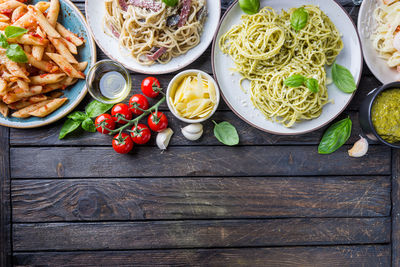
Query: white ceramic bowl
177, 79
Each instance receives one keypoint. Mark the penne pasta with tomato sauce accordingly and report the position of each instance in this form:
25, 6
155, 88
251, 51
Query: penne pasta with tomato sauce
49, 50
42, 62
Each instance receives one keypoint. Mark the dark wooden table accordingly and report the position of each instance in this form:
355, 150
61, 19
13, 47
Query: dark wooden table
271, 201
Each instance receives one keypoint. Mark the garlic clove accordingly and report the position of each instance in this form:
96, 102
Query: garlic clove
193, 128
192, 136
359, 149
193, 131
163, 138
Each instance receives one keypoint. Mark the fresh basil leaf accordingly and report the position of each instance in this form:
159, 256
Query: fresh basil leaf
69, 126
16, 54
88, 125
295, 80
3, 41
96, 108
299, 18
313, 85
226, 133
13, 31
335, 137
78, 116
249, 6
343, 79
171, 2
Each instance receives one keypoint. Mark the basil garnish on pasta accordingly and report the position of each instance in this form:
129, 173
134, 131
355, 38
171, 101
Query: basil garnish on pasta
295, 80
299, 19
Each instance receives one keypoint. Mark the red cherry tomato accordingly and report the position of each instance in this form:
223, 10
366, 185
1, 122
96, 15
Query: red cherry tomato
140, 134
123, 111
138, 101
104, 120
157, 121
122, 144
151, 87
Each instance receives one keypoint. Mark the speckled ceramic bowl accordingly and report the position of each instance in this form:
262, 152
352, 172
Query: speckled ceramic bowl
72, 19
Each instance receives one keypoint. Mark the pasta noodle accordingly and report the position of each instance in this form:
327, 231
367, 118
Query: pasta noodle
266, 51
388, 20
152, 31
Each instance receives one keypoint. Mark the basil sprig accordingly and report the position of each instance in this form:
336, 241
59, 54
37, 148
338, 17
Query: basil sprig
343, 79
226, 133
171, 2
249, 6
297, 80
335, 137
96, 108
299, 19
14, 32
14, 51
312, 84
84, 119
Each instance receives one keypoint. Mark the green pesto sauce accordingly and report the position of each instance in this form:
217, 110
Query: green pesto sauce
386, 115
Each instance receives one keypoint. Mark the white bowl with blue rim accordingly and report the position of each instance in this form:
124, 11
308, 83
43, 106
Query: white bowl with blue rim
72, 18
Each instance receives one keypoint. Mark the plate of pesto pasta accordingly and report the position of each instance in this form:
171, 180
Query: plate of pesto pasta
274, 67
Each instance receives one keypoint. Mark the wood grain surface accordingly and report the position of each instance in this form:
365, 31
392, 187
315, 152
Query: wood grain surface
5, 205
396, 209
200, 234
195, 161
332, 256
191, 198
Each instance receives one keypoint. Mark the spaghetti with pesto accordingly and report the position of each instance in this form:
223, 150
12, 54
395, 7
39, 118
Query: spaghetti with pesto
266, 50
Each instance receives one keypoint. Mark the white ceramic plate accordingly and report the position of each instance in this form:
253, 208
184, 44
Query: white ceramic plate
95, 13
239, 102
366, 25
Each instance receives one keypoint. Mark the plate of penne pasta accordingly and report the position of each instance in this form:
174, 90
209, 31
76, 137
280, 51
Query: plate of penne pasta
45, 53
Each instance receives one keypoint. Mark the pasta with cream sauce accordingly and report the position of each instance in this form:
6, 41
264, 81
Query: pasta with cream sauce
153, 32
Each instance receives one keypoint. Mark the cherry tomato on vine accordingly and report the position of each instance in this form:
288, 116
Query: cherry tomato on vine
157, 121
151, 87
104, 120
140, 134
138, 101
121, 110
122, 144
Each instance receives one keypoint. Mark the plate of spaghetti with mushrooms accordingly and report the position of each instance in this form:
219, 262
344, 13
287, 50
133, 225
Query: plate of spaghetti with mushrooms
153, 36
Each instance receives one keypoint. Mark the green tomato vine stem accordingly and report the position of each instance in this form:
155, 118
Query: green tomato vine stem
136, 120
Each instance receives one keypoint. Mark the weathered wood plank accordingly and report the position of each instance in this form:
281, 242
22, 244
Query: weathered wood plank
48, 136
195, 161
191, 198
5, 208
396, 208
200, 234
337, 256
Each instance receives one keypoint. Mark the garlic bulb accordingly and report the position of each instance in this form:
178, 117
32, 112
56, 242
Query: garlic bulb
163, 138
359, 149
193, 132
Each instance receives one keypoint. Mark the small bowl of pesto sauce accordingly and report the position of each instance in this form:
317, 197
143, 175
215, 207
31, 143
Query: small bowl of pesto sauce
380, 115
